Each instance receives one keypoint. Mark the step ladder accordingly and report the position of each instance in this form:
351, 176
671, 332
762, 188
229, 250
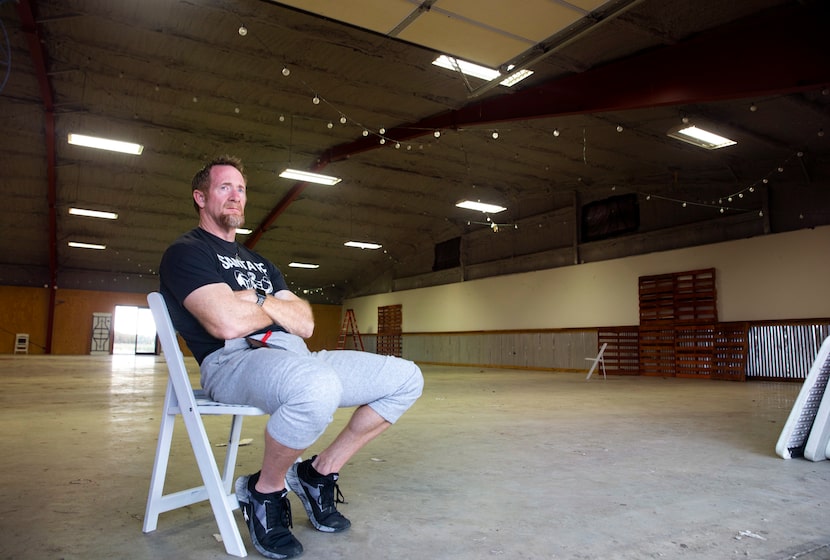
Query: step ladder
349, 327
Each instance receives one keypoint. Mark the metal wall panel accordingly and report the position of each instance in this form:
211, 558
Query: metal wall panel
784, 351
546, 350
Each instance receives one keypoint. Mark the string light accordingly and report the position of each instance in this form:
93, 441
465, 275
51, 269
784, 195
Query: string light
365, 131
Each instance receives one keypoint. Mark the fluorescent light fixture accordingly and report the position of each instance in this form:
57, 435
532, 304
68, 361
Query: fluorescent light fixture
477, 71
516, 77
93, 213
303, 265
362, 245
243, 231
106, 144
310, 177
79, 245
700, 137
481, 206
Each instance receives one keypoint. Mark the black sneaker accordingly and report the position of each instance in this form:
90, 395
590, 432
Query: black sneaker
319, 495
269, 519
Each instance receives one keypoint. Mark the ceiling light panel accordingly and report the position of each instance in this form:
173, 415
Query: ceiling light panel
481, 206
93, 213
700, 137
80, 245
105, 144
308, 177
363, 245
303, 265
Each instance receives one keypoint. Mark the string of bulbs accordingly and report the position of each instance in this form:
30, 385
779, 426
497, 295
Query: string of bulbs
383, 139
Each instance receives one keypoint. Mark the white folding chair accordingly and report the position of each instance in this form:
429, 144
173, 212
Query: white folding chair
598, 360
182, 399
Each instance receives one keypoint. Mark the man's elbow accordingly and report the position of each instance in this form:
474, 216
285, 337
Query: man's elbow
306, 330
224, 331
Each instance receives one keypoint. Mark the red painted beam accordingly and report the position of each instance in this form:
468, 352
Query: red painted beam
26, 12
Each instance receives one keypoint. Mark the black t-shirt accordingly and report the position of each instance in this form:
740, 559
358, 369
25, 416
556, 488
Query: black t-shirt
199, 258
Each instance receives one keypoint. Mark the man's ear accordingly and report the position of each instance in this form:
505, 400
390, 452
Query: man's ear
199, 198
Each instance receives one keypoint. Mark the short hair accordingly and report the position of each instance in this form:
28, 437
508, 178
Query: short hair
201, 181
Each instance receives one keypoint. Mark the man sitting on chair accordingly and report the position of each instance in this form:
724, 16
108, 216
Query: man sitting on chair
246, 331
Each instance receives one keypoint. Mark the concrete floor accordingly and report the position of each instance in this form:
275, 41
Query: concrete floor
488, 464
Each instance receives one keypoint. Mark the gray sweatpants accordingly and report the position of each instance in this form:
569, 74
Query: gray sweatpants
302, 389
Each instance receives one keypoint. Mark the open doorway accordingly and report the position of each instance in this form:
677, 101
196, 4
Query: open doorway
135, 331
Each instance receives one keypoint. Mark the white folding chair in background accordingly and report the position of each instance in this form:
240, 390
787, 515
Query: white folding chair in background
181, 399
598, 360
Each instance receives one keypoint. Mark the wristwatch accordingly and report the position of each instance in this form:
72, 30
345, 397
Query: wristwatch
260, 296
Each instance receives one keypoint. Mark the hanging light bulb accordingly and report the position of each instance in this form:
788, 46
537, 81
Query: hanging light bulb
437, 134
330, 125
619, 128
343, 119
285, 71
382, 130
495, 134
243, 30
383, 140
316, 100
397, 145
556, 132
365, 132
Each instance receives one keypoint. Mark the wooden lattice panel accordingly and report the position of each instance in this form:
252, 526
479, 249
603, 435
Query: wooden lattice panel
731, 349
695, 297
657, 350
694, 350
656, 299
622, 355
389, 340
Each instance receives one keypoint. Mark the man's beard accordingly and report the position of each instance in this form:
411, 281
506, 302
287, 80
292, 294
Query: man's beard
233, 220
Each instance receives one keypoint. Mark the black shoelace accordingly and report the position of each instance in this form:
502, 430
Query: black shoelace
330, 496
277, 513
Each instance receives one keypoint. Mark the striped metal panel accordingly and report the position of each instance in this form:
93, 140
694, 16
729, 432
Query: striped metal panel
784, 351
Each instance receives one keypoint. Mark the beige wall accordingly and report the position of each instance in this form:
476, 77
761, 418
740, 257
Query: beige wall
782, 276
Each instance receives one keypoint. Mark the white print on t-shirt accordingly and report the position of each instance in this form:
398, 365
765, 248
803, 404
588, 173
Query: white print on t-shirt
246, 276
